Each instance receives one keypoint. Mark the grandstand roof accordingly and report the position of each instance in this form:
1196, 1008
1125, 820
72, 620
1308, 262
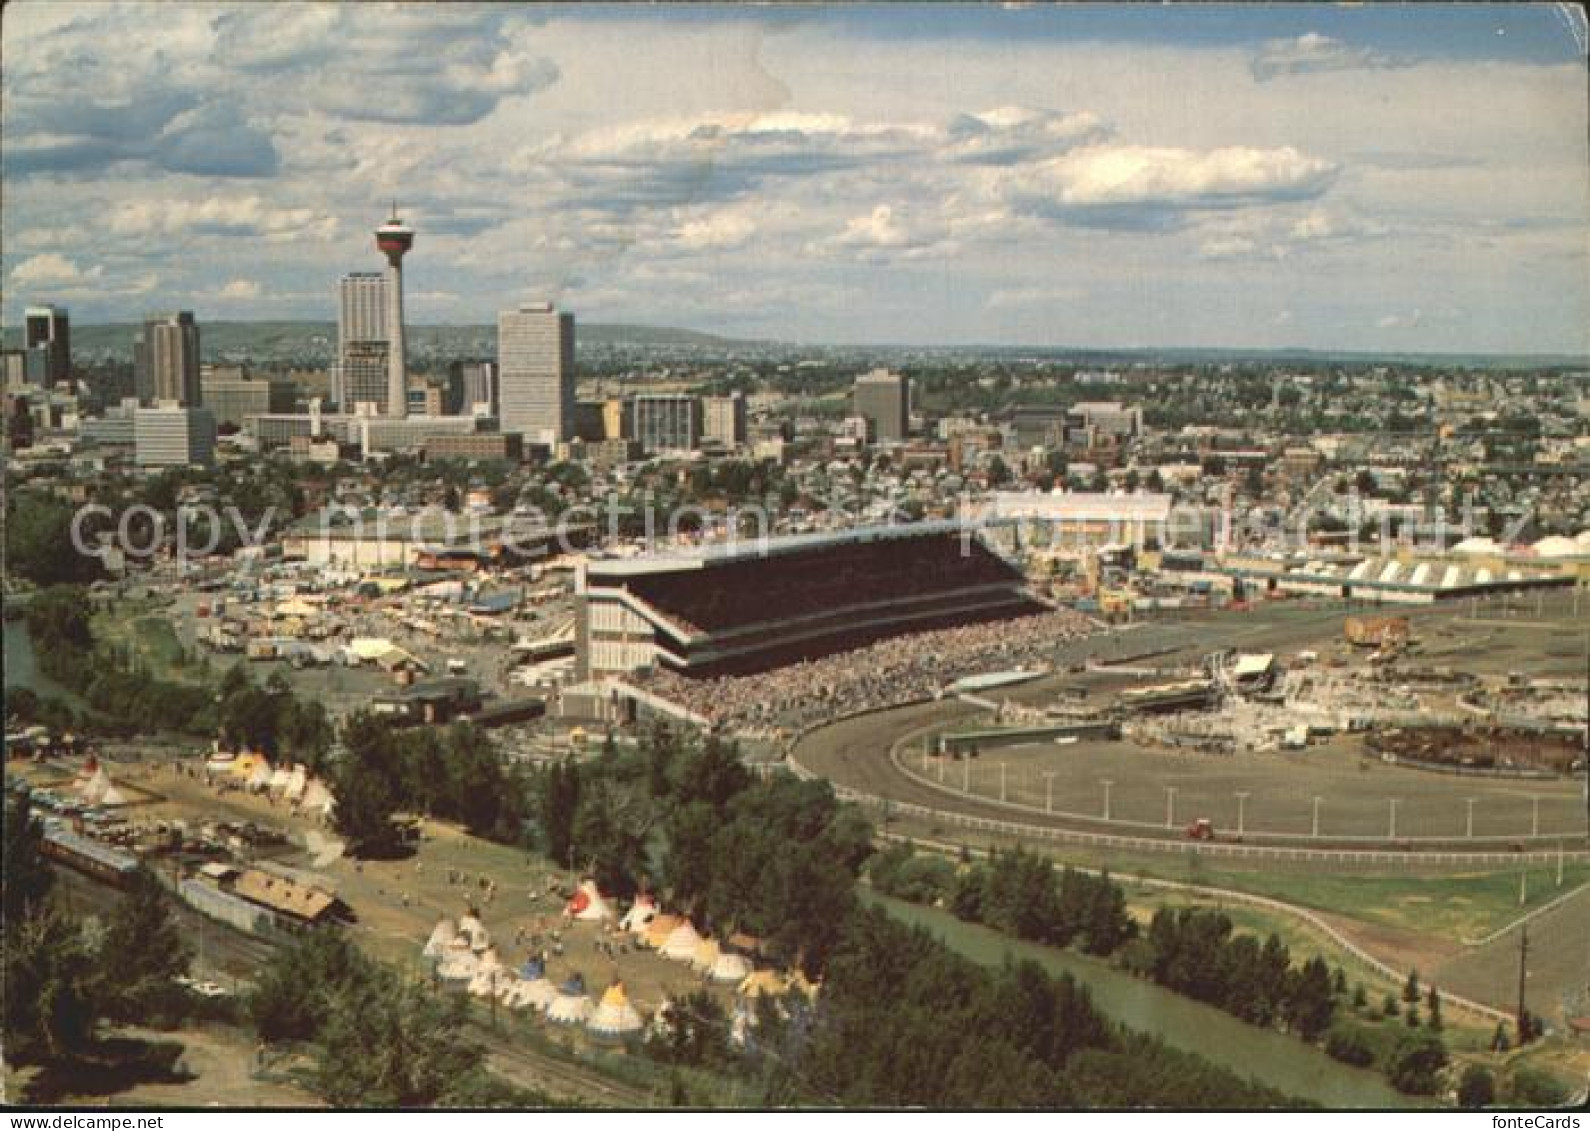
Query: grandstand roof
720, 553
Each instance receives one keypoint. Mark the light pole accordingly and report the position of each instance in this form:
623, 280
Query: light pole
1469, 824
1316, 818
1391, 833
1170, 806
1242, 812
1107, 785
1002, 782
1534, 820
966, 774
1048, 790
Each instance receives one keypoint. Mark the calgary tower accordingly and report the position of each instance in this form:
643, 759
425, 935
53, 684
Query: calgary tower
394, 238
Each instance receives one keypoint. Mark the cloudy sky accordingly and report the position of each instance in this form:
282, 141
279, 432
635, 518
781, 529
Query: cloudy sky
1408, 177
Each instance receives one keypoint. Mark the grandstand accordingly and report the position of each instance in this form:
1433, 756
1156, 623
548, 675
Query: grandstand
737, 610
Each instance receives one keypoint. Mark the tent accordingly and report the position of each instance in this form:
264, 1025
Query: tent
318, 799
458, 961
473, 929
705, 956
659, 929
730, 969
244, 765
280, 778
763, 983
537, 994
615, 1017
442, 936
572, 1005
640, 913
98, 784
682, 943
296, 783
490, 973
260, 780
588, 904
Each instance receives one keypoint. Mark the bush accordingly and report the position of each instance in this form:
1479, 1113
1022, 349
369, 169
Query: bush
1533, 1088
1477, 1088
1414, 1064
1347, 1044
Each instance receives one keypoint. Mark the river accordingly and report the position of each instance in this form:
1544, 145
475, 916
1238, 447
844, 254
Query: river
1273, 1058
22, 668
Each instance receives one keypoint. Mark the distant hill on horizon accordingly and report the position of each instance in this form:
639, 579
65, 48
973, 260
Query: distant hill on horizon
312, 338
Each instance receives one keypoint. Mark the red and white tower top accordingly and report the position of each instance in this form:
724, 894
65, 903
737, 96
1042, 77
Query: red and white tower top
394, 238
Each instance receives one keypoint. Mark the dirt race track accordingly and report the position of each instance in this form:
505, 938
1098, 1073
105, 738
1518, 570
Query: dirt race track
854, 753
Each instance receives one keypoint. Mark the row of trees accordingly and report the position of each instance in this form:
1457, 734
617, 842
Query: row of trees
1018, 892
129, 699
1195, 952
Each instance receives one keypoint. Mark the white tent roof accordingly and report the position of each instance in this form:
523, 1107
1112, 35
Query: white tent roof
443, 933
682, 943
730, 969
569, 1009
615, 1016
589, 905
639, 914
1558, 547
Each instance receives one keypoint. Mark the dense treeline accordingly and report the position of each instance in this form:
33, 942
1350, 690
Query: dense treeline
64, 978
374, 1039
1193, 951
1018, 892
905, 1021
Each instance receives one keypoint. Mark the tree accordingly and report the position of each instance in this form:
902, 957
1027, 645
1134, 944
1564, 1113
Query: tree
1410, 988
363, 783
1312, 1003
1477, 1088
386, 1043
142, 954
38, 542
50, 1011
26, 879
291, 994
1433, 1004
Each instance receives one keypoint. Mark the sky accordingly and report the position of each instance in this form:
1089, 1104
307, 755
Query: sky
1382, 177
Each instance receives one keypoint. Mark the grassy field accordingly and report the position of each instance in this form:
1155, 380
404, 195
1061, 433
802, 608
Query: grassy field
148, 633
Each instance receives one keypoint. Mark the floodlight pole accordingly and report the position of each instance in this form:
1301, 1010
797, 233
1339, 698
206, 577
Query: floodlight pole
1391, 833
1048, 790
1242, 812
1002, 783
1170, 806
1107, 786
1316, 818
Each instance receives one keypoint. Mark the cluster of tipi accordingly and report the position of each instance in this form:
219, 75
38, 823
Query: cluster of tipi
253, 771
94, 786
464, 953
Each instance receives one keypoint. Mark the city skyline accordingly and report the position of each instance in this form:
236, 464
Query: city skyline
1080, 176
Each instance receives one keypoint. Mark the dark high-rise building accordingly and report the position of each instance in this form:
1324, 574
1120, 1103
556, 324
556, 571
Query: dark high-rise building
47, 335
884, 400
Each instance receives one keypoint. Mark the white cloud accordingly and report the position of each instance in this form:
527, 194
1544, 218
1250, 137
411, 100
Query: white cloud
1131, 175
52, 270
1312, 52
240, 289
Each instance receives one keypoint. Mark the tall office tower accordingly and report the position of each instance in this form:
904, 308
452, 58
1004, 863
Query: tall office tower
723, 420
667, 422
166, 356
884, 399
535, 373
360, 373
48, 334
477, 387
394, 238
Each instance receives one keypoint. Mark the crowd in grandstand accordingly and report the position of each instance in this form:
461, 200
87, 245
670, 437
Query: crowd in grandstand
898, 670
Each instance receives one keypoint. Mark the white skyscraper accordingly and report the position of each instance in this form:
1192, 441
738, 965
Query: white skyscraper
535, 373
362, 371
